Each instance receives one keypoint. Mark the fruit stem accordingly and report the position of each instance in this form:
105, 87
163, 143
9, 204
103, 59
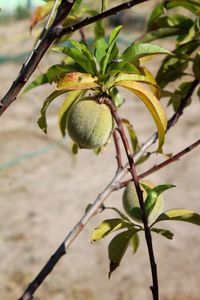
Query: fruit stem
132, 169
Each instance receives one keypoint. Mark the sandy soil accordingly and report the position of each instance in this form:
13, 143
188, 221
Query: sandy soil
44, 191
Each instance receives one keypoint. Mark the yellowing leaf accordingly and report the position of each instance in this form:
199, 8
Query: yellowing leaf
184, 215
153, 86
77, 81
152, 104
40, 12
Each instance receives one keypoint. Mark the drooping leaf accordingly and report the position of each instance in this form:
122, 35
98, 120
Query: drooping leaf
153, 84
118, 247
132, 134
77, 81
40, 12
146, 78
153, 194
193, 33
166, 233
106, 227
135, 241
42, 122
136, 51
65, 107
56, 71
184, 215
39, 80
152, 104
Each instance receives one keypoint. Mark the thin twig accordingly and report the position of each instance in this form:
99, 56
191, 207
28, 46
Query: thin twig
132, 168
170, 160
55, 31
118, 150
112, 186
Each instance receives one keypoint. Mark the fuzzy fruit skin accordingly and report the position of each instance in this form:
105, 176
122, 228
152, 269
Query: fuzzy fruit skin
130, 200
90, 124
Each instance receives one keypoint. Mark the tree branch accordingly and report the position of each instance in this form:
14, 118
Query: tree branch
170, 160
48, 37
112, 186
132, 168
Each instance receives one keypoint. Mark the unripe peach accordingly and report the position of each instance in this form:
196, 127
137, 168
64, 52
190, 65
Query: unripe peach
90, 124
130, 201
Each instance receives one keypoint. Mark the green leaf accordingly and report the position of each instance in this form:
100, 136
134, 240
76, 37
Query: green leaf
79, 58
132, 134
152, 104
118, 247
65, 107
191, 5
184, 215
136, 51
108, 226
196, 66
116, 97
135, 241
41, 79
84, 49
193, 33
112, 50
180, 94
161, 33
100, 49
99, 30
166, 233
121, 67
153, 194
42, 122
155, 14
56, 71
77, 81
174, 20
172, 68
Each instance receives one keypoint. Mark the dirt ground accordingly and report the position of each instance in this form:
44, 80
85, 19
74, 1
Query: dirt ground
44, 191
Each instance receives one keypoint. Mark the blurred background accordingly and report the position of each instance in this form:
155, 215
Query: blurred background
44, 189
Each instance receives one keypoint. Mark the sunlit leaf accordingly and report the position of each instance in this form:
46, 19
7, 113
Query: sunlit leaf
106, 227
136, 51
42, 122
77, 81
166, 233
153, 194
135, 241
118, 247
152, 104
184, 215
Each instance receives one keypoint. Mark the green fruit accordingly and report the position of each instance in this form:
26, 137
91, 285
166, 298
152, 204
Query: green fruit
89, 124
130, 201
